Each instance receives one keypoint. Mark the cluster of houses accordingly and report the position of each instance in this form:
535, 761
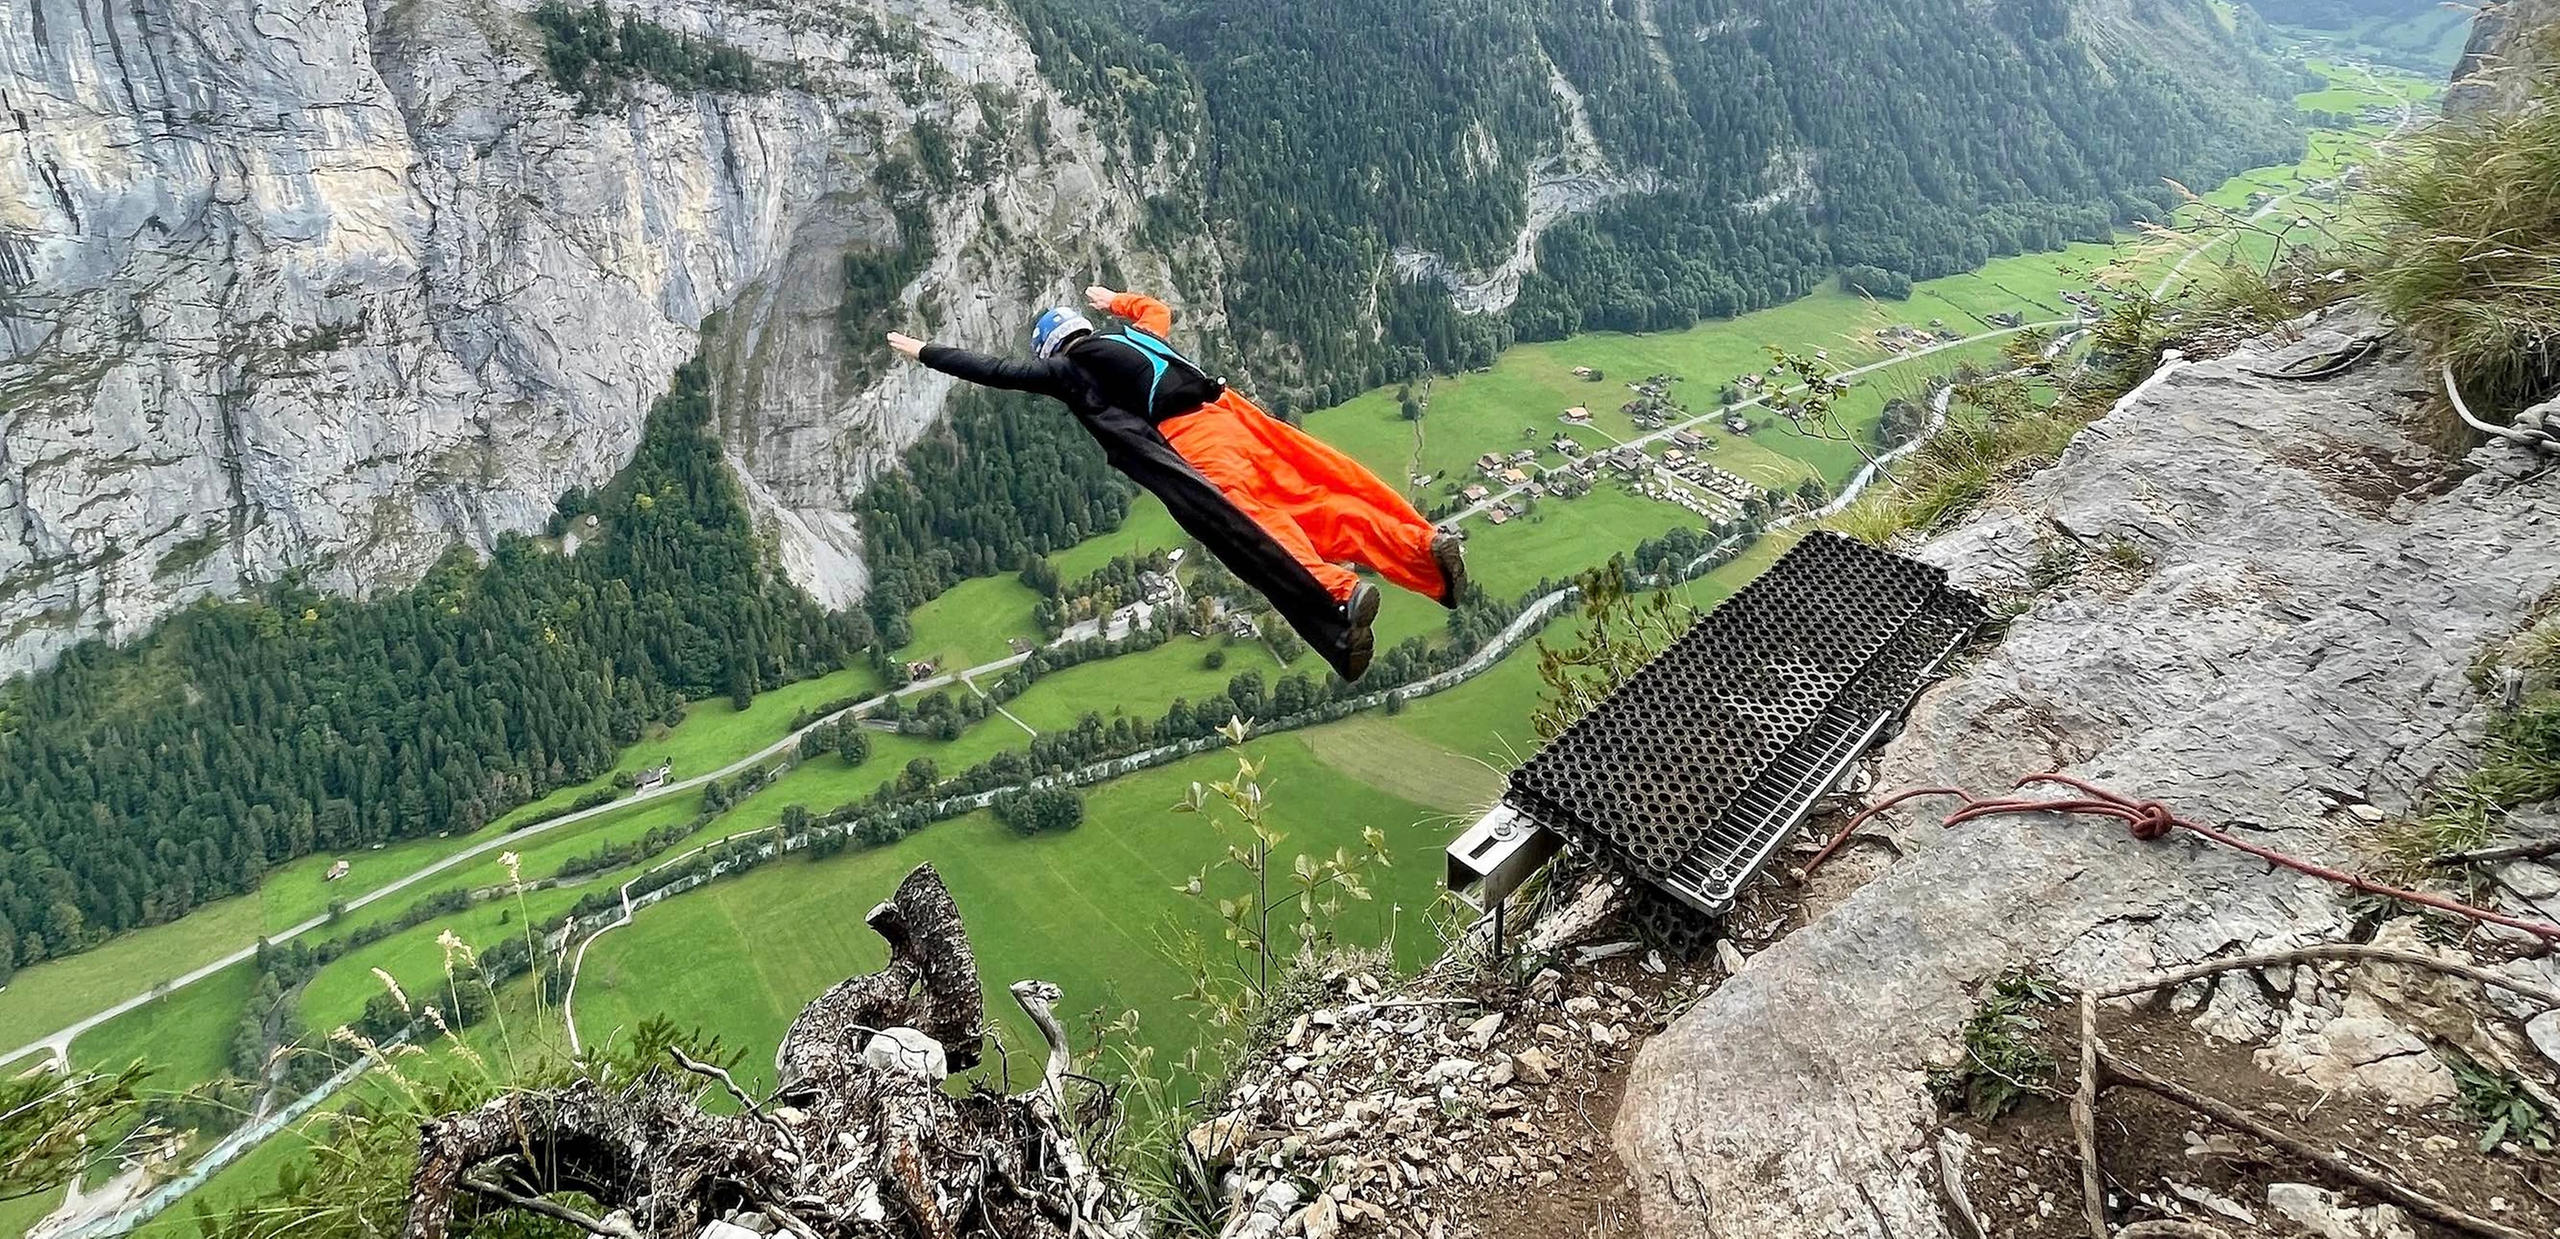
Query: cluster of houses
1653, 405
1902, 338
2085, 302
1726, 491
1510, 469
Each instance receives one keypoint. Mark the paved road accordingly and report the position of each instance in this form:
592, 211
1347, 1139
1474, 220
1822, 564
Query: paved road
57, 1045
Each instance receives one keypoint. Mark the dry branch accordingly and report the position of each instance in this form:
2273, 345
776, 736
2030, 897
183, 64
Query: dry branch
2332, 950
870, 1145
2084, 1120
2534, 850
2233, 1117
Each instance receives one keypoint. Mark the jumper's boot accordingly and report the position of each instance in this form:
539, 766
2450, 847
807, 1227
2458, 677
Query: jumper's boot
1360, 611
1448, 550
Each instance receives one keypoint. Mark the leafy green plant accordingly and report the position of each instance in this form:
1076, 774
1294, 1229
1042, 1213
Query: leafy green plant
2499, 1101
1621, 632
2002, 1062
1295, 899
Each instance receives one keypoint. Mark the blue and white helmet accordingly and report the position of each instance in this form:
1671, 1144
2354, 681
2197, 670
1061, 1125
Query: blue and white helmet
1055, 328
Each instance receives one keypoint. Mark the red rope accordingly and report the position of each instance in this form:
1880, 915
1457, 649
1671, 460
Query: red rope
2150, 819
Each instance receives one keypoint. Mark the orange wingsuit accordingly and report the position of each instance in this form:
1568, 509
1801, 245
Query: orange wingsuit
1321, 506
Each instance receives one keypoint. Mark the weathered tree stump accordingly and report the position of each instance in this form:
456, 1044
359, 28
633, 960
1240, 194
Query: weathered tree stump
860, 1140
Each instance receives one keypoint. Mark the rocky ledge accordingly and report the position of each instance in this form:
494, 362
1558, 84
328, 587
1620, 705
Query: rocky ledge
2254, 599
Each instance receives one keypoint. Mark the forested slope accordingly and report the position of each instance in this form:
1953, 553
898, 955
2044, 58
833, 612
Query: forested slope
1739, 151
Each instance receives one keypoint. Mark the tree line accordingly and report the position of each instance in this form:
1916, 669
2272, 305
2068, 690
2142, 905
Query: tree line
139, 782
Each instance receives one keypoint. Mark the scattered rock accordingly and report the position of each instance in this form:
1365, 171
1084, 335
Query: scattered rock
2323, 1213
1534, 1065
1729, 957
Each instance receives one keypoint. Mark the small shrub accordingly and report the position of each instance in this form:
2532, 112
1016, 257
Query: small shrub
2501, 1104
2002, 1064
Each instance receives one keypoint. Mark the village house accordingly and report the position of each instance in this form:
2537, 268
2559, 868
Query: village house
1566, 445
1675, 457
1241, 626
1735, 424
336, 871
1475, 494
1585, 373
1688, 439
1488, 462
1499, 515
654, 776
1534, 490
923, 669
1575, 416
1513, 477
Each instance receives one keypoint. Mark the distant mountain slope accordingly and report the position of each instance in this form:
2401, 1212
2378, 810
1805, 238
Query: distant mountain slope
1657, 161
2422, 35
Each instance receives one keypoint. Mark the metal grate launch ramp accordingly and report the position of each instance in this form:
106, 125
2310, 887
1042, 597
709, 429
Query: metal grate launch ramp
1701, 766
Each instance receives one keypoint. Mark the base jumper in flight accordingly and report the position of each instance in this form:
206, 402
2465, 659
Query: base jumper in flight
1281, 510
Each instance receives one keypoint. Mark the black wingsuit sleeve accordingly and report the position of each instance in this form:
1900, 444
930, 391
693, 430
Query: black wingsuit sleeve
1051, 376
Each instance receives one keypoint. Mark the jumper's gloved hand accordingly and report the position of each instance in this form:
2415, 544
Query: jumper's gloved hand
1100, 297
905, 345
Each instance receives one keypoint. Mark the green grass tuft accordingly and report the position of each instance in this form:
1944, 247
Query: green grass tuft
2470, 235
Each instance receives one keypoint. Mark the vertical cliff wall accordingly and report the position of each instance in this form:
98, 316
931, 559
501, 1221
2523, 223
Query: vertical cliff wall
322, 286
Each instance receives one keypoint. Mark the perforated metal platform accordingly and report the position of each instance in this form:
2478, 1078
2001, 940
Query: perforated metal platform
1702, 765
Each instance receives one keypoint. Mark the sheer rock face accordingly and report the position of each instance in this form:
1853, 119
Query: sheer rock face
2510, 40
2292, 656
325, 286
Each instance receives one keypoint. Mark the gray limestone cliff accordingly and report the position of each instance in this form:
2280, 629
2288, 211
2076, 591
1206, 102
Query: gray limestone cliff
2509, 39
325, 287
